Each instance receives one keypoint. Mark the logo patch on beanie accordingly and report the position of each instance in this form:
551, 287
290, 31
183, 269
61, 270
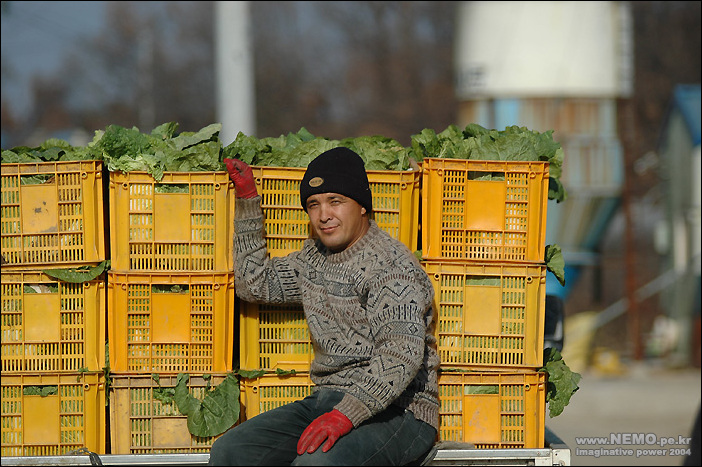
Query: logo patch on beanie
316, 181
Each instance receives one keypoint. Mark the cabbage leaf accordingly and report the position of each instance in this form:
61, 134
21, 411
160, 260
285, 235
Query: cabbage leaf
216, 412
562, 382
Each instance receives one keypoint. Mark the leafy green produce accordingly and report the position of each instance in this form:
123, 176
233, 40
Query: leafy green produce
53, 149
116, 142
188, 139
165, 288
483, 281
79, 274
562, 382
299, 149
216, 412
475, 389
219, 408
40, 288
555, 262
107, 373
379, 152
476, 142
171, 188
164, 395
128, 149
42, 391
250, 374
36, 179
165, 131
81, 370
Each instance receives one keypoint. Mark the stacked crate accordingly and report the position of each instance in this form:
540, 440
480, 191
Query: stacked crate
170, 303
276, 337
53, 331
483, 238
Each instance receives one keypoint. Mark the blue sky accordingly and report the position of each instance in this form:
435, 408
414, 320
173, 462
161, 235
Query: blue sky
36, 37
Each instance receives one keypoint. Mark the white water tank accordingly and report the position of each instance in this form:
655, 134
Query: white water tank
542, 49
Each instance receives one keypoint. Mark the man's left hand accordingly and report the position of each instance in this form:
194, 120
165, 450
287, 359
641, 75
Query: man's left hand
330, 426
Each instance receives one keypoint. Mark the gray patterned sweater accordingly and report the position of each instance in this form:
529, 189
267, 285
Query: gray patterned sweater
369, 311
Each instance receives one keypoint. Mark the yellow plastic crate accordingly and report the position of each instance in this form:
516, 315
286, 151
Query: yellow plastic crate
489, 315
170, 323
51, 326
270, 391
52, 214
143, 424
395, 206
507, 411
274, 337
484, 210
70, 416
493, 410
182, 223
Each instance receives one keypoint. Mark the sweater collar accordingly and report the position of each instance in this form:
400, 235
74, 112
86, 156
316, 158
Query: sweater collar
354, 250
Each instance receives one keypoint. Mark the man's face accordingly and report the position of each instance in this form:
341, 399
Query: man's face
338, 220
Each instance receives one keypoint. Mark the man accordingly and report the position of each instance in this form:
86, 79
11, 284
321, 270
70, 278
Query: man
368, 305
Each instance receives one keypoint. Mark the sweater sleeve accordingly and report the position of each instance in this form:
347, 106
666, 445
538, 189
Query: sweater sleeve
400, 310
258, 278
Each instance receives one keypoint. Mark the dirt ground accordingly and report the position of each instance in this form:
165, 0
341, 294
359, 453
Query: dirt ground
627, 404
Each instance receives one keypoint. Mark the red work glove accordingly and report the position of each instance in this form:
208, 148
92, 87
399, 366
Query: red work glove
330, 426
242, 176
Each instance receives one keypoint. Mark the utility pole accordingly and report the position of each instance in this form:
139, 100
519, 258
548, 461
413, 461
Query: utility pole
234, 66
627, 132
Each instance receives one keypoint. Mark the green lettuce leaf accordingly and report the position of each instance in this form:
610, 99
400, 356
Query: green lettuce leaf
556, 190
206, 134
79, 274
16, 156
165, 131
562, 382
250, 374
164, 395
42, 391
379, 152
215, 413
555, 262
245, 148
475, 389
116, 142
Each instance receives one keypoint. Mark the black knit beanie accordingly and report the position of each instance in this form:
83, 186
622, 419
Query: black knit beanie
338, 170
